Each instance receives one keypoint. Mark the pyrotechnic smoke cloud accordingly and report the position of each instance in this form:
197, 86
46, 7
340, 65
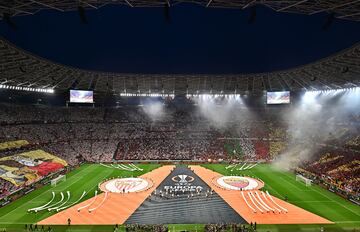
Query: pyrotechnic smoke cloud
154, 110
222, 112
315, 120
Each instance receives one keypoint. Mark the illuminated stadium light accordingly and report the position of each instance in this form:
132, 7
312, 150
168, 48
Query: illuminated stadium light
147, 95
334, 90
40, 90
207, 96
312, 95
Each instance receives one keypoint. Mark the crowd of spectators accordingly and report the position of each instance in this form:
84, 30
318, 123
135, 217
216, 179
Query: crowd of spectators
169, 149
95, 134
87, 134
145, 228
6, 188
340, 168
230, 227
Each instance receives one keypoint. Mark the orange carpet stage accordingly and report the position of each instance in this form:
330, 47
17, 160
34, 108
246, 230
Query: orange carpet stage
114, 210
294, 214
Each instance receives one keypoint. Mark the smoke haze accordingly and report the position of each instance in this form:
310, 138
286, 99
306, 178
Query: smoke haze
314, 120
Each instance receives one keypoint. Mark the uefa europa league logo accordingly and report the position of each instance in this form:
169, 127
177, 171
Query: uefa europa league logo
183, 179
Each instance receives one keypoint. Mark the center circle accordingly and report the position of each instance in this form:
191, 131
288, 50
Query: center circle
125, 185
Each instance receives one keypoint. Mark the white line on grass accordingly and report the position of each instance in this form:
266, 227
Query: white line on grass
336, 202
106, 174
346, 222
269, 186
68, 186
298, 189
70, 180
23, 205
331, 200
312, 201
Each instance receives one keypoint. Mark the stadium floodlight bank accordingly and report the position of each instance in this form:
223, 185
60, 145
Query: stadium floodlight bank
58, 179
303, 179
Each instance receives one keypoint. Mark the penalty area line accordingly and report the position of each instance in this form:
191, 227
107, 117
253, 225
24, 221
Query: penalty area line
266, 184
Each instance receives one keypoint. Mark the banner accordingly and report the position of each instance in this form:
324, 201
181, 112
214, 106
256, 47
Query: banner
28, 167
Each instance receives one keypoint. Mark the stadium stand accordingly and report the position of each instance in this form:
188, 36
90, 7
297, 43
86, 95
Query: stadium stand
103, 135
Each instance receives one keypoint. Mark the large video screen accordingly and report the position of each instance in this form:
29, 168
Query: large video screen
81, 96
278, 97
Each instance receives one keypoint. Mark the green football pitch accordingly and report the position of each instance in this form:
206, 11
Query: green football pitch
279, 183
312, 198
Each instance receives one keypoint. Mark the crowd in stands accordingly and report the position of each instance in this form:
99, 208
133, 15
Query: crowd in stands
6, 188
169, 149
146, 228
95, 135
339, 168
230, 227
78, 134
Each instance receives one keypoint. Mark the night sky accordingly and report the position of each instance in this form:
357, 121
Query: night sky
196, 40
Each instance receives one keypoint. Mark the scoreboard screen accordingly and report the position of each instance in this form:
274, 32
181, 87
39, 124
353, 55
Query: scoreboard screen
81, 96
278, 97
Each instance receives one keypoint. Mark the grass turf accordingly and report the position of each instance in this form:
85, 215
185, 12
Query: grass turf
312, 198
87, 177
279, 183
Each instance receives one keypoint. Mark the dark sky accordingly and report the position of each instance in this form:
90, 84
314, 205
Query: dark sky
198, 40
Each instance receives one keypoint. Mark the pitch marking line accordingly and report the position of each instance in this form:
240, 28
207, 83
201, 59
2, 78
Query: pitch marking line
356, 213
331, 200
312, 201
269, 187
23, 205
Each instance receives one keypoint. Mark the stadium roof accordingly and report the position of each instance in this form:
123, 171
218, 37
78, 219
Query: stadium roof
345, 9
19, 68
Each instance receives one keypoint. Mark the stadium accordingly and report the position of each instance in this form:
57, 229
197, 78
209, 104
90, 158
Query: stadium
156, 116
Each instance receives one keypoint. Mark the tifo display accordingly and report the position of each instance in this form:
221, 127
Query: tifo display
25, 168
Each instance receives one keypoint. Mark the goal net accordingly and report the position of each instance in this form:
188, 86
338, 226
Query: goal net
303, 179
58, 179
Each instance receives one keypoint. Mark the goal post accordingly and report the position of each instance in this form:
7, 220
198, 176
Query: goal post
58, 179
302, 178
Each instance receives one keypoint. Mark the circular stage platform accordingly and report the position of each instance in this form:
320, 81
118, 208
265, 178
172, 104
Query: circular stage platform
239, 183
125, 185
